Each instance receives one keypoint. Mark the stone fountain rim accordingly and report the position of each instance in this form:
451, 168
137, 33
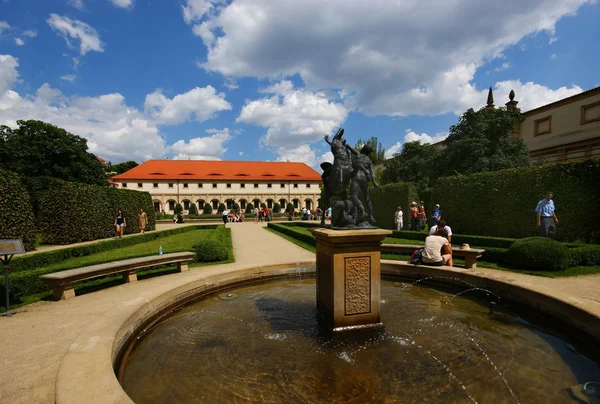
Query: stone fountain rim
87, 372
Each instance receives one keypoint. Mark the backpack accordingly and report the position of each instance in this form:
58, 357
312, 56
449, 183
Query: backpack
415, 258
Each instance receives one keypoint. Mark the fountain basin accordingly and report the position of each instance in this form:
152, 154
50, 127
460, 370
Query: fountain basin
87, 370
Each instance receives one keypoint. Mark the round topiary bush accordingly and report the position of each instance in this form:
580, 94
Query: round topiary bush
289, 208
178, 209
210, 251
193, 209
249, 208
586, 255
276, 208
221, 207
539, 254
207, 209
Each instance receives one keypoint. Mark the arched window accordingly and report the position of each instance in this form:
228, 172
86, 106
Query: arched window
186, 204
256, 203
171, 203
157, 205
296, 203
229, 203
308, 204
242, 204
283, 203
200, 203
215, 204
270, 203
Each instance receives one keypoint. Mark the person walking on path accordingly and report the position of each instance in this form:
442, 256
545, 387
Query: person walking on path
142, 220
399, 219
225, 214
546, 218
422, 216
436, 215
120, 223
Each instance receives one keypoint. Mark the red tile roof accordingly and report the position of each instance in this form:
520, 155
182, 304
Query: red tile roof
220, 170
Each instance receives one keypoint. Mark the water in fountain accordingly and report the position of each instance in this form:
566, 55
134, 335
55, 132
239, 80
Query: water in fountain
262, 343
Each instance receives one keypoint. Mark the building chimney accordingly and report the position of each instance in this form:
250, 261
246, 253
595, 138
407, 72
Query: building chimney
490, 100
512, 104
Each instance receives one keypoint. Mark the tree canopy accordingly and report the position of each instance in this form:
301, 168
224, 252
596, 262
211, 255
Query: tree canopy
417, 163
378, 155
120, 168
38, 149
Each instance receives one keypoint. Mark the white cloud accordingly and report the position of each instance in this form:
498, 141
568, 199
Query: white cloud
406, 58
19, 42
503, 66
294, 117
411, 136
78, 4
554, 56
31, 33
8, 72
69, 77
241, 153
529, 95
199, 103
396, 148
302, 154
552, 40
123, 3
76, 30
203, 148
4, 26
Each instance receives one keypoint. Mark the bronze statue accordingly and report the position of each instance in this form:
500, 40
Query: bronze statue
349, 168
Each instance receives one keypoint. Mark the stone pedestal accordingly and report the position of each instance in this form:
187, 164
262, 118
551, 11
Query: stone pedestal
349, 277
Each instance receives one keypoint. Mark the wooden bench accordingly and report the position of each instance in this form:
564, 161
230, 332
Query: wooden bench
63, 282
470, 255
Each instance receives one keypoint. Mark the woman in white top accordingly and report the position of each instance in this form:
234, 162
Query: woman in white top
437, 249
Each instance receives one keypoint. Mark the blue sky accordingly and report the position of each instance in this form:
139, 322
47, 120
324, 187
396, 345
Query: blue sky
265, 80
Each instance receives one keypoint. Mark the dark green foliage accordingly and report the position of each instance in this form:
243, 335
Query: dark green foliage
502, 203
122, 167
458, 239
210, 250
276, 207
290, 231
416, 163
289, 207
207, 209
16, 213
494, 254
263, 206
71, 212
587, 255
482, 141
193, 209
38, 149
178, 209
249, 208
221, 208
387, 197
378, 154
539, 254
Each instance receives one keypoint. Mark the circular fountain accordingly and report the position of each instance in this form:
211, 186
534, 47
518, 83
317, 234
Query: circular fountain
262, 342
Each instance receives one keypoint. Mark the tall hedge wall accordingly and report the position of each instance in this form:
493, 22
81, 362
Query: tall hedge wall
71, 212
502, 203
387, 197
16, 214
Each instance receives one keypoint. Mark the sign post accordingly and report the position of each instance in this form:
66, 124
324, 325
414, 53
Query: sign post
8, 248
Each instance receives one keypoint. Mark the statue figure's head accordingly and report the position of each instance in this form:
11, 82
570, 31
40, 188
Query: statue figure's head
366, 150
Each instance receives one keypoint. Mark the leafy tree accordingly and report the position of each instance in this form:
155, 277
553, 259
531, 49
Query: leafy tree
417, 163
193, 209
378, 154
38, 149
120, 168
178, 209
482, 141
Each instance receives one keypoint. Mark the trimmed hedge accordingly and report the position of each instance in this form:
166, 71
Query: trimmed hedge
458, 239
16, 213
207, 209
585, 255
539, 254
387, 197
502, 203
210, 250
71, 212
290, 231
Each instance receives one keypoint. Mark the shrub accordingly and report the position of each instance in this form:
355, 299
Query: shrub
276, 207
587, 255
210, 250
178, 209
289, 207
263, 205
539, 254
249, 208
16, 214
193, 209
207, 209
71, 212
502, 203
387, 197
221, 208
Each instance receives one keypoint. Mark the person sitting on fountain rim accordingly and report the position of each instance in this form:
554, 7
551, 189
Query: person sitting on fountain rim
441, 224
437, 250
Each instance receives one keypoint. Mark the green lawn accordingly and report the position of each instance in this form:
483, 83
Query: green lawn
170, 244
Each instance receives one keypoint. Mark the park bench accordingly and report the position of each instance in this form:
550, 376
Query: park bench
63, 282
470, 255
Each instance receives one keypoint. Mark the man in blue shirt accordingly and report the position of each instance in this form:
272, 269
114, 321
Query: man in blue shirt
546, 218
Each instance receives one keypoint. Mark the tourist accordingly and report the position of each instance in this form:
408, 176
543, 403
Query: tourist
441, 224
292, 214
120, 223
398, 218
318, 213
422, 216
267, 212
261, 215
225, 214
304, 213
414, 220
436, 214
437, 249
142, 220
174, 218
546, 218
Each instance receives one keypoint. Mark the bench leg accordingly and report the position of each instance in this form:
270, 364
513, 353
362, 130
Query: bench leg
470, 262
182, 266
130, 277
63, 292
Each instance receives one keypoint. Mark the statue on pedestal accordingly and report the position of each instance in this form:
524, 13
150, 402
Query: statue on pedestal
349, 168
